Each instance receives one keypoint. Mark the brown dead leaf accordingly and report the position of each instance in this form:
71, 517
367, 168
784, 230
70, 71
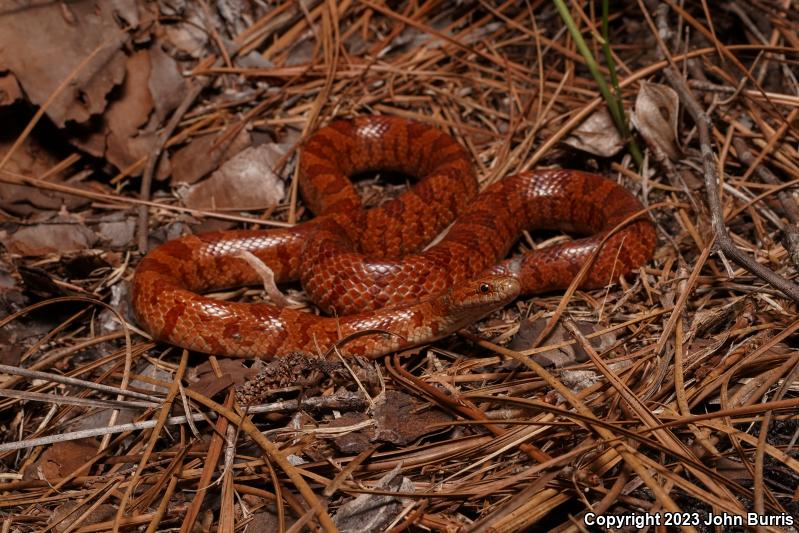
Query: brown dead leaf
127, 115
352, 441
244, 182
401, 419
42, 44
204, 380
61, 459
597, 135
266, 520
398, 418
10, 350
117, 234
126, 132
64, 515
190, 36
32, 158
121, 135
202, 156
9, 89
43, 239
98, 418
166, 83
655, 117
559, 357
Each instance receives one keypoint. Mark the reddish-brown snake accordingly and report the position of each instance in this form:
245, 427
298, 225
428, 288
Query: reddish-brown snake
364, 265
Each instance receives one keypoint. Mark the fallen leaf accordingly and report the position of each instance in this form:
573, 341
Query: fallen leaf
127, 115
244, 182
124, 134
202, 156
655, 117
352, 442
529, 330
43, 239
9, 89
31, 38
32, 158
62, 459
401, 419
204, 379
117, 234
166, 83
190, 35
597, 135
10, 350
398, 418
98, 418
65, 514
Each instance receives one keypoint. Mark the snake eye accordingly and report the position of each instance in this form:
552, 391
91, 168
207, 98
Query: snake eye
485, 288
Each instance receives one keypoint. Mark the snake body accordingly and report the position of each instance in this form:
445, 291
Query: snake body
365, 265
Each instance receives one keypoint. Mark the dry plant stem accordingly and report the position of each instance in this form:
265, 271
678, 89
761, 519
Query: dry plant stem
152, 527
790, 230
58, 378
70, 400
621, 448
142, 229
503, 518
714, 379
55, 356
727, 54
274, 454
759, 483
282, 406
209, 467
461, 407
608, 500
19, 179
412, 518
636, 436
160, 487
667, 438
686, 290
162, 417
704, 127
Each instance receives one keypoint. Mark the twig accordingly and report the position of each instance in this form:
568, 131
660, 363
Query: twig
317, 402
147, 178
711, 178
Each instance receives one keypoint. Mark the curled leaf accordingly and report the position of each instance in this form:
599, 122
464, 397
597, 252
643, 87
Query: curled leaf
655, 117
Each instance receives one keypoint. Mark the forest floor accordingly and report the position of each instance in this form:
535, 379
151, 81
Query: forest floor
670, 395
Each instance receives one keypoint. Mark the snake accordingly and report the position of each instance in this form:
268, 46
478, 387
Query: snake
374, 272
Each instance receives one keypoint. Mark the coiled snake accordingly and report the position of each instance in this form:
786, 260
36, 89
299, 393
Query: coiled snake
364, 265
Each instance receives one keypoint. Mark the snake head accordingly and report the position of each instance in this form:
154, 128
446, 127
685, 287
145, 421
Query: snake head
485, 294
